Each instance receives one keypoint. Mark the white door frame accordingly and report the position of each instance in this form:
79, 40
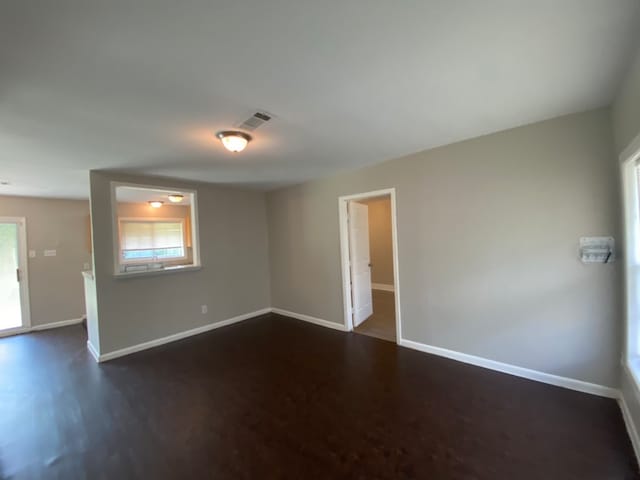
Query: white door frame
23, 265
343, 216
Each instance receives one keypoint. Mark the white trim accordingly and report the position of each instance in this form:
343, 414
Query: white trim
310, 319
179, 336
159, 271
343, 218
628, 371
9, 332
344, 254
382, 286
629, 194
36, 328
24, 278
631, 428
63, 323
570, 383
92, 350
631, 149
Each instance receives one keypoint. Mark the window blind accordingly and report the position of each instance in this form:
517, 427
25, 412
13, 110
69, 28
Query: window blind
140, 235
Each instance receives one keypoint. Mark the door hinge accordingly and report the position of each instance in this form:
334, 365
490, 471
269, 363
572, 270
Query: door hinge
18, 274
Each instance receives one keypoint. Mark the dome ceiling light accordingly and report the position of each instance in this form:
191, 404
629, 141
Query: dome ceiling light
176, 197
234, 140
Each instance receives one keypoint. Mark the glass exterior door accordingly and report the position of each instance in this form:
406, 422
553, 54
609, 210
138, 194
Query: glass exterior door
10, 273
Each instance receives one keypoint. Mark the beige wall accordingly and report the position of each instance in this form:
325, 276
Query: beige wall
380, 240
626, 107
488, 232
55, 283
233, 280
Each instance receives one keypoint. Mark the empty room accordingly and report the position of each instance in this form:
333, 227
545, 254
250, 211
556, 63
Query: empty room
318, 240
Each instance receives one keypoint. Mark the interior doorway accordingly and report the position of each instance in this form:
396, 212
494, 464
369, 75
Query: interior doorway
14, 293
368, 238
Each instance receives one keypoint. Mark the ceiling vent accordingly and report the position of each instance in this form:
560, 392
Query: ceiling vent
255, 121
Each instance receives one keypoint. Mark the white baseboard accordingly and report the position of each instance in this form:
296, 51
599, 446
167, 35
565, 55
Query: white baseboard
538, 376
63, 323
92, 350
631, 428
383, 286
177, 336
44, 326
624, 407
543, 377
310, 319
14, 331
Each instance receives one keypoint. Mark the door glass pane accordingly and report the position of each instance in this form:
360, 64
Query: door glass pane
10, 311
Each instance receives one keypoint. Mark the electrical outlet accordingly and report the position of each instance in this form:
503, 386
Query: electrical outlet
32, 254
204, 308
86, 266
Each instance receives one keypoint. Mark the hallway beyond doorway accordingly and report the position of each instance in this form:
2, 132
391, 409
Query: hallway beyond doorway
382, 324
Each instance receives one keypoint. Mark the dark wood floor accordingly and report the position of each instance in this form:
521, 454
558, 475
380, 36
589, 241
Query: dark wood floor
277, 398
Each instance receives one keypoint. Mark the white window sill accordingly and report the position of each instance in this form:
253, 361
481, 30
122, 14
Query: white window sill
160, 271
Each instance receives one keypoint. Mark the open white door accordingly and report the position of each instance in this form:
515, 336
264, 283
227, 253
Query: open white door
360, 260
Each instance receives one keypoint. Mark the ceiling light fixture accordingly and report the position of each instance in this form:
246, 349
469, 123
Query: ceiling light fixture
156, 203
176, 198
233, 140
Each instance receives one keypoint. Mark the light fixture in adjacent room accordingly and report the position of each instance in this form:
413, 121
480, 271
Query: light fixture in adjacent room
156, 203
176, 198
234, 140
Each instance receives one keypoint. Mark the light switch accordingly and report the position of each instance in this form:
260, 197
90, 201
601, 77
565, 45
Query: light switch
32, 254
50, 253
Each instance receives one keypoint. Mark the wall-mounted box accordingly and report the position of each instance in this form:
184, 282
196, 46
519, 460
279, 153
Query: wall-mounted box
597, 249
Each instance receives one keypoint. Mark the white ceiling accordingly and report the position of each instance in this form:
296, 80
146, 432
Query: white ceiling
143, 85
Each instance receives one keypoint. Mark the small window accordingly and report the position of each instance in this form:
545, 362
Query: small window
155, 229
144, 240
